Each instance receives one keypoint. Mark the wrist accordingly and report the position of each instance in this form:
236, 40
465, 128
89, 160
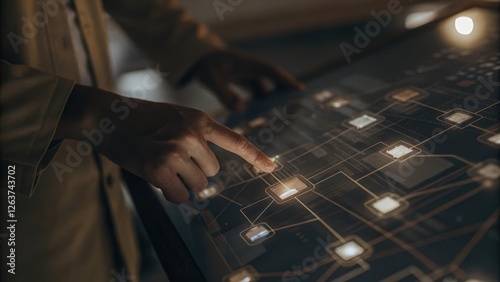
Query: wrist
83, 110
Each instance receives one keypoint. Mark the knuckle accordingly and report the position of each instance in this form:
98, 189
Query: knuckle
214, 169
202, 184
241, 144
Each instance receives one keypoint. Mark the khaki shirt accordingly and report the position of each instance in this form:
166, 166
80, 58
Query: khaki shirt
72, 221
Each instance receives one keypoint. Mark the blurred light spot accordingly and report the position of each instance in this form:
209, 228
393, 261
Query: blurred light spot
464, 25
417, 19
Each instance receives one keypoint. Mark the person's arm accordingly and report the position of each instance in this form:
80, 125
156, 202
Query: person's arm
167, 34
32, 103
164, 144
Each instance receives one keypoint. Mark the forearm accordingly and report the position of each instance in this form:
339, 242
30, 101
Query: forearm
83, 110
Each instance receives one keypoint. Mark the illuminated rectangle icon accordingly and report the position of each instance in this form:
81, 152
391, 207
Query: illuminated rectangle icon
208, 192
458, 117
495, 139
405, 95
289, 188
387, 205
349, 250
323, 96
362, 121
399, 151
245, 274
338, 102
257, 234
490, 171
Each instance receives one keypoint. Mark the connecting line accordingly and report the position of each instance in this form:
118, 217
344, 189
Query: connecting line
482, 231
441, 132
427, 106
295, 224
318, 146
229, 199
447, 156
440, 188
482, 129
346, 159
454, 265
362, 187
251, 223
486, 107
389, 235
326, 178
378, 169
386, 108
262, 212
278, 179
341, 239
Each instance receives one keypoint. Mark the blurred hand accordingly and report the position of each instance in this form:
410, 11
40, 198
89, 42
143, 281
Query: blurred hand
162, 143
217, 70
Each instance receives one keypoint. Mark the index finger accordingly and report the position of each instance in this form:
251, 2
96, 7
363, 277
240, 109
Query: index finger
236, 143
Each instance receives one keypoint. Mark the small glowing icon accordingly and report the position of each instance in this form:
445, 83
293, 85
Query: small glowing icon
464, 25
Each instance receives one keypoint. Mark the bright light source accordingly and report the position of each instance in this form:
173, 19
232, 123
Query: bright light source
458, 117
399, 151
245, 274
338, 102
490, 171
362, 121
495, 139
208, 192
464, 25
417, 19
386, 205
257, 232
349, 250
289, 188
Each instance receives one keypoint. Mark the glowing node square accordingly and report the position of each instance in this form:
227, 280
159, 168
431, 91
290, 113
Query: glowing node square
458, 117
245, 274
495, 139
256, 232
399, 151
362, 121
490, 171
386, 204
405, 95
349, 250
338, 102
289, 188
323, 96
208, 192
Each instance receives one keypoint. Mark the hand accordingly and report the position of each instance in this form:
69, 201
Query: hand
220, 68
162, 143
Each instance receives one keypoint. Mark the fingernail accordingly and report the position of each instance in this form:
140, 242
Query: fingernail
270, 166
